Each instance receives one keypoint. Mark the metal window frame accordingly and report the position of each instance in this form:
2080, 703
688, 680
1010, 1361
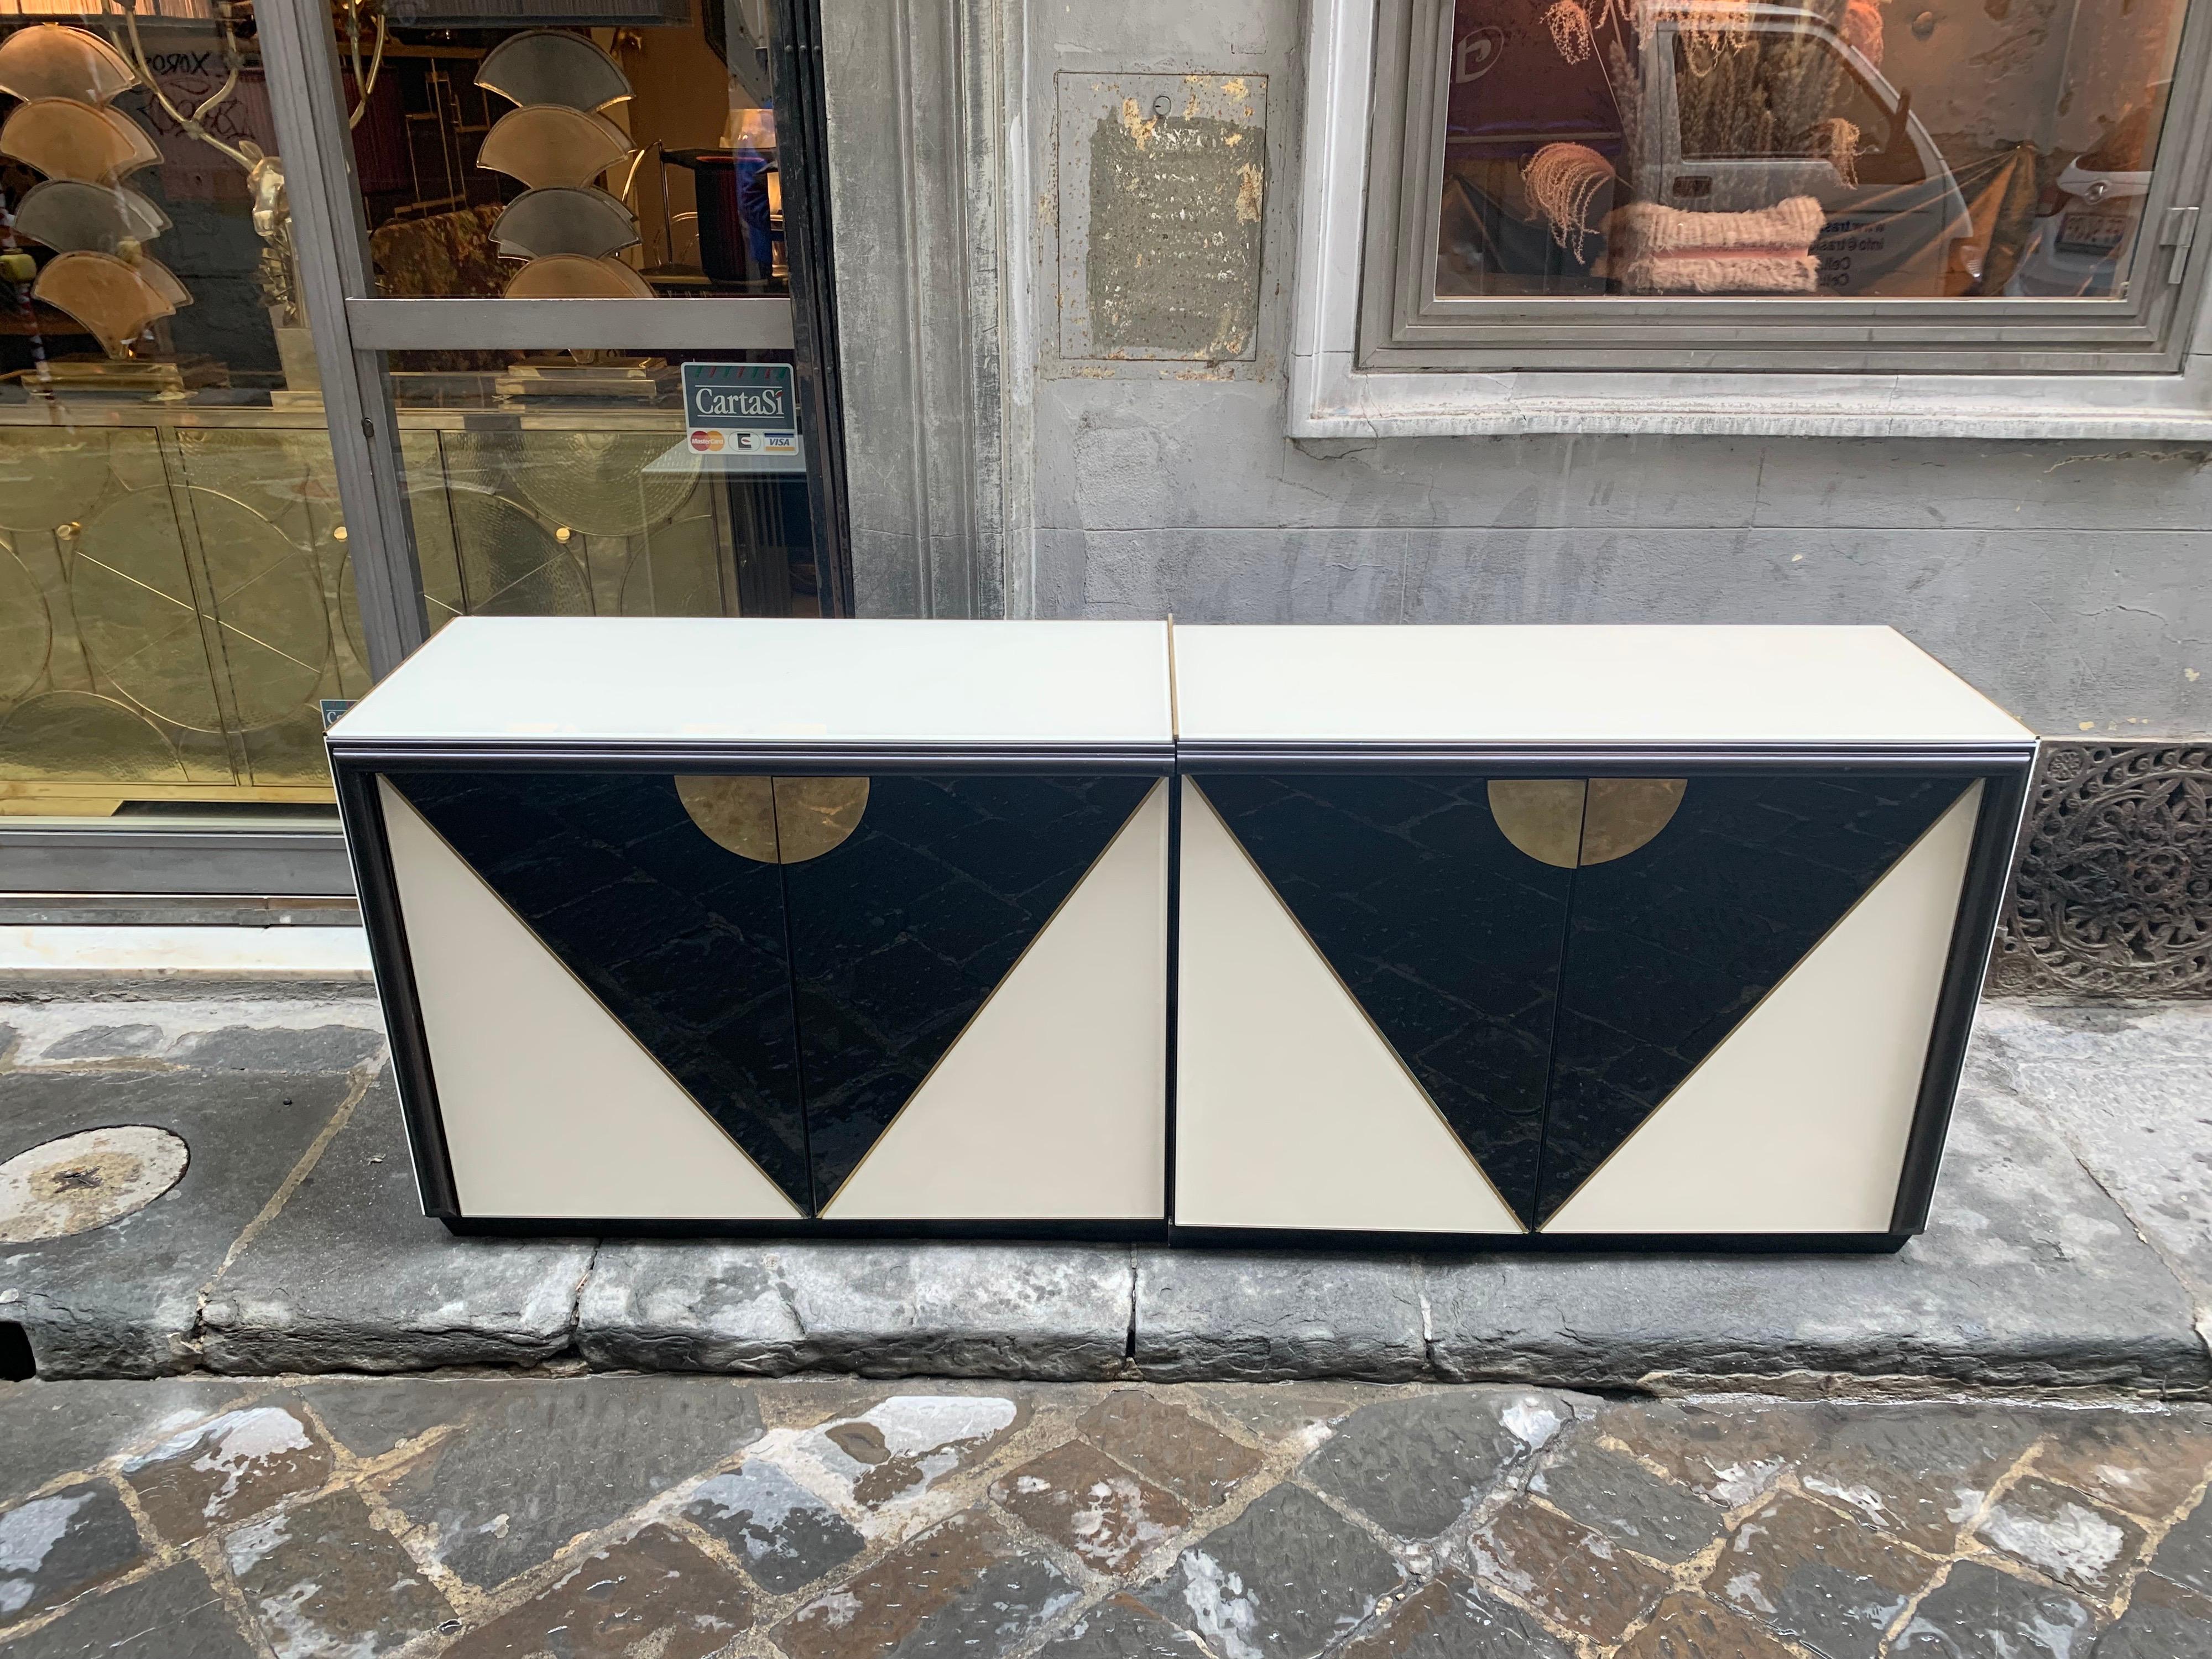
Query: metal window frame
1404, 325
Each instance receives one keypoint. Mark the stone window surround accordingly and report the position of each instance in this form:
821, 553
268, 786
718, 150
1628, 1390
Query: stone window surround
1331, 396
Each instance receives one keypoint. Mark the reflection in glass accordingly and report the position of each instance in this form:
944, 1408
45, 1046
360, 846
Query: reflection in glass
1856, 147
568, 485
516, 161
173, 559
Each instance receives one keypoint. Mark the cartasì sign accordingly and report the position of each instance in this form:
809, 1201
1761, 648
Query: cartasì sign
742, 417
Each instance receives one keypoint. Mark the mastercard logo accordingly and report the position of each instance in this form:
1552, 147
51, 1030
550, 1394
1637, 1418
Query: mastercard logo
706, 442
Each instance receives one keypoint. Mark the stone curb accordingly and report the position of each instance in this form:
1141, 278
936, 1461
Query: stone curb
2061, 1256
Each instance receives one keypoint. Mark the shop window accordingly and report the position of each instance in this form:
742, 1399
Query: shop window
629, 155
1838, 184
544, 487
634, 159
176, 595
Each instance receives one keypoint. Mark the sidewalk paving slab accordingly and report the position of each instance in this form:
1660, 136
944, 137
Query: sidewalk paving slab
2131, 1090
2029, 1275
2068, 1249
351, 1276
123, 1299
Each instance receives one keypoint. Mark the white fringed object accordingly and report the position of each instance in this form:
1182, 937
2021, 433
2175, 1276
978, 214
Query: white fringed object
1664, 250
1564, 180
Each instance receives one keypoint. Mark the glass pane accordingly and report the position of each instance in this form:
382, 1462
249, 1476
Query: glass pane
1842, 147
504, 151
175, 594
578, 485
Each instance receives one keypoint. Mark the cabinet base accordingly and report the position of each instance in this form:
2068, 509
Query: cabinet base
1097, 1232
1276, 1238
1201, 1238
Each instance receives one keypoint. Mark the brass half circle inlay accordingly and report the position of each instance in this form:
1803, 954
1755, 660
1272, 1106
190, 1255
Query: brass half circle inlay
1624, 813
775, 820
1542, 817
1566, 822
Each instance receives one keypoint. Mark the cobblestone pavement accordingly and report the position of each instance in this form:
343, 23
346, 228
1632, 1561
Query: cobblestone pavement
663, 1517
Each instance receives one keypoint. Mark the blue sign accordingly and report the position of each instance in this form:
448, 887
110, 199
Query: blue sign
742, 417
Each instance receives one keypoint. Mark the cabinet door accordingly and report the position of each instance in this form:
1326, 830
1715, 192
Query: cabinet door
1367, 975
662, 899
1685, 928
981, 963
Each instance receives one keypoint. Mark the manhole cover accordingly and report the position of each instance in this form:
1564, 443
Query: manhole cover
85, 1181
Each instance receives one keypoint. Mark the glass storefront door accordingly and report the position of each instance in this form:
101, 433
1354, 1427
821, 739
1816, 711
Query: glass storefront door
328, 320
173, 566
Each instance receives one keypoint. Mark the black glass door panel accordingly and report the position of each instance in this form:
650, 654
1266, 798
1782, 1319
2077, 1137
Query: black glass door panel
900, 932
680, 938
1672, 946
1447, 934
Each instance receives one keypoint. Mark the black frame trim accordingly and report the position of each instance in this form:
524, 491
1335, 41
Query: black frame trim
802, 139
1508, 1244
362, 814
1973, 936
1078, 1232
1535, 760
790, 760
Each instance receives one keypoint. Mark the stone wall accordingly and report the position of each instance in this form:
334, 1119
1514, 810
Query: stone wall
997, 473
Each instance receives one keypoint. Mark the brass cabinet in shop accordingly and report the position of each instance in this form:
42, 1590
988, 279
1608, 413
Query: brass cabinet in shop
177, 602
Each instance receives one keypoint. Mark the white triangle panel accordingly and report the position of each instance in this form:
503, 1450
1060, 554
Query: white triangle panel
1797, 1123
550, 1108
1290, 1108
1052, 1104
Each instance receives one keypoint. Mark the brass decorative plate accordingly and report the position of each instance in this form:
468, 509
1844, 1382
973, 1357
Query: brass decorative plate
88, 143
50, 476
288, 477
71, 217
577, 276
80, 735
26, 631
50, 61
553, 66
1566, 822
110, 298
677, 573
606, 483
511, 566
141, 622
564, 219
547, 144
775, 820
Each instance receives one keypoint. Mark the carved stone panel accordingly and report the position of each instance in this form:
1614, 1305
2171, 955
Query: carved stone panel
2113, 894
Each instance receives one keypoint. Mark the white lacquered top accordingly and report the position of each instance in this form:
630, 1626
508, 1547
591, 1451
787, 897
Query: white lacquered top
1574, 685
773, 682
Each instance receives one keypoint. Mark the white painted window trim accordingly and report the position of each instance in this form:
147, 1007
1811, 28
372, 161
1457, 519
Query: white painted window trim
1331, 396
